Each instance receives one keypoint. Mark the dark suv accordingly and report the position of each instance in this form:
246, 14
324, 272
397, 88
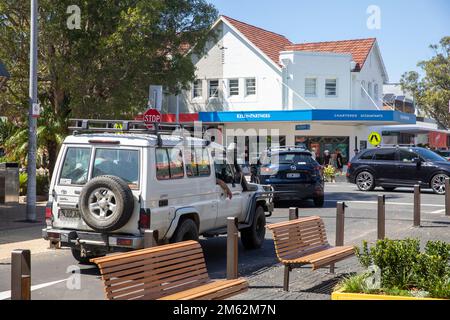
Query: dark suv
391, 167
293, 173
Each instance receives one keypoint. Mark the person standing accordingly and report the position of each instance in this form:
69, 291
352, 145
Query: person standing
339, 161
326, 158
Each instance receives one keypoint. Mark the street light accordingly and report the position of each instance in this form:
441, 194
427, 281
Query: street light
4, 75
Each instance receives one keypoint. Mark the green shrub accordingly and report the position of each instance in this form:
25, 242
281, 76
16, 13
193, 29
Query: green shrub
405, 270
42, 184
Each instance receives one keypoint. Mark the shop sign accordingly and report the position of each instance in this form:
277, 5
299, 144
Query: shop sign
301, 127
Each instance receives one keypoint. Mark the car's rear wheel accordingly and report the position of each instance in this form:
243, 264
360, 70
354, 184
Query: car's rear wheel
186, 230
253, 236
389, 189
438, 183
365, 181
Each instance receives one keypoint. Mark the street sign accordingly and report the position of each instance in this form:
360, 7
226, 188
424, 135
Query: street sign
35, 110
151, 116
155, 96
374, 138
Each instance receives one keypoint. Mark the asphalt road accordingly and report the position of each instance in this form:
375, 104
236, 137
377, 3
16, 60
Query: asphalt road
56, 275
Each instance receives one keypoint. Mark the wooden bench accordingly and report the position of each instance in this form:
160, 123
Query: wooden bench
304, 241
168, 272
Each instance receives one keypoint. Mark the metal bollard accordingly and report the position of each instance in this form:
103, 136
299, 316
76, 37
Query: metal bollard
381, 230
150, 238
293, 213
447, 196
340, 218
232, 248
417, 205
20, 275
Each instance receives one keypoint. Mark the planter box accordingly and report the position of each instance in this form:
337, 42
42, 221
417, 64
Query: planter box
338, 295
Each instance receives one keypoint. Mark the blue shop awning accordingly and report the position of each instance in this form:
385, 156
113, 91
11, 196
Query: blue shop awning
356, 117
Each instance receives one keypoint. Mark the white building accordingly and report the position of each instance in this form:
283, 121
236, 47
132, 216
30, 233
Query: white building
323, 94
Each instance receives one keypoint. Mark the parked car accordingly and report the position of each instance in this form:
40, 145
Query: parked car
443, 153
392, 167
293, 173
108, 188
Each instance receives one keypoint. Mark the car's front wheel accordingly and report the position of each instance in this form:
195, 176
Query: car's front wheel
365, 181
253, 236
438, 183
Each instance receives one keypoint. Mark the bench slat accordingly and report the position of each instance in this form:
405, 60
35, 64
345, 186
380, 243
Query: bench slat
208, 289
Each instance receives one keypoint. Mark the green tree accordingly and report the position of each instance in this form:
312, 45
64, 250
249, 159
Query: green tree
103, 69
432, 91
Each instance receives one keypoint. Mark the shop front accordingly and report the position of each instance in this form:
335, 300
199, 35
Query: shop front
318, 130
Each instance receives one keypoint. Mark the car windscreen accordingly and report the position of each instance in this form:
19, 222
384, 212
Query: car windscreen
122, 163
297, 158
428, 154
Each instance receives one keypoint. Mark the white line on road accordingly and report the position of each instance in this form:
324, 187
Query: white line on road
391, 203
438, 211
7, 294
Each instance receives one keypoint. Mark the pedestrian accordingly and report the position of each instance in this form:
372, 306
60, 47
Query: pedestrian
326, 158
339, 161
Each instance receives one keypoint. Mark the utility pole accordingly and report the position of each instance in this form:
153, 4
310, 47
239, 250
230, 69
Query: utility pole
32, 121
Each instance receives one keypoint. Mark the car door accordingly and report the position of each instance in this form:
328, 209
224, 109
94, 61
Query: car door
385, 166
227, 207
412, 171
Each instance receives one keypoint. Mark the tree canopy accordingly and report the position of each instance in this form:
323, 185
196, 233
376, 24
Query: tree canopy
104, 68
432, 91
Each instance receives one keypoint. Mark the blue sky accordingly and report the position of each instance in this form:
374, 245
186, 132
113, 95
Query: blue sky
408, 27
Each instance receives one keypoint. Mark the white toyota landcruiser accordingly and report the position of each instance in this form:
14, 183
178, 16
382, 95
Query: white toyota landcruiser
108, 188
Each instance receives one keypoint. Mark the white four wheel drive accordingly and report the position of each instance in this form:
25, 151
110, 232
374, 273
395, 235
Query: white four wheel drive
109, 187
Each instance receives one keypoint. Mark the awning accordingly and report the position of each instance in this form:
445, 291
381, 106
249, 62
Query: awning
333, 116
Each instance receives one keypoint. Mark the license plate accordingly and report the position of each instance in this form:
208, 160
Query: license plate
70, 214
293, 175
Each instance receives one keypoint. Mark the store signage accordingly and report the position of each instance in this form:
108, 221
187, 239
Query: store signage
301, 127
308, 115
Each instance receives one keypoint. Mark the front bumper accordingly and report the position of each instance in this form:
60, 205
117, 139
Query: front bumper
74, 238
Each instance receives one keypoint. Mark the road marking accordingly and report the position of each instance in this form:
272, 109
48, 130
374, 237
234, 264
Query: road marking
7, 294
438, 211
390, 203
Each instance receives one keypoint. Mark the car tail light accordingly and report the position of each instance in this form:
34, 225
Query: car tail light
53, 235
49, 214
144, 219
267, 171
124, 242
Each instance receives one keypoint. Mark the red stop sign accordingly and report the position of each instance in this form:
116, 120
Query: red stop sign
151, 116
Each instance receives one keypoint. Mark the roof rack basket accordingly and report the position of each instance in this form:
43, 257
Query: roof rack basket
129, 126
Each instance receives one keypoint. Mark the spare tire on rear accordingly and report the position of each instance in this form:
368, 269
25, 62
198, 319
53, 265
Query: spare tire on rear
106, 203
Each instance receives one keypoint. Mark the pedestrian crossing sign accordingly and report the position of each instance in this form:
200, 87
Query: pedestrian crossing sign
374, 138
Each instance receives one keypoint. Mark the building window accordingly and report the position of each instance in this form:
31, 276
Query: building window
213, 88
250, 86
331, 87
197, 89
369, 89
310, 87
363, 85
375, 92
233, 87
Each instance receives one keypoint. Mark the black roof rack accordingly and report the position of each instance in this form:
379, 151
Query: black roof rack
129, 126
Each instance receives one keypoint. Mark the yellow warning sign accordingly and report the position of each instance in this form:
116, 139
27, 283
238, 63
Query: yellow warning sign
374, 138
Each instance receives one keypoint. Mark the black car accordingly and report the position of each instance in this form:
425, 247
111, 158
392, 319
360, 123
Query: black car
293, 173
392, 167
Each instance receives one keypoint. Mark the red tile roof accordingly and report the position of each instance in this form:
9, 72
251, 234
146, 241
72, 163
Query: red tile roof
358, 48
268, 42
